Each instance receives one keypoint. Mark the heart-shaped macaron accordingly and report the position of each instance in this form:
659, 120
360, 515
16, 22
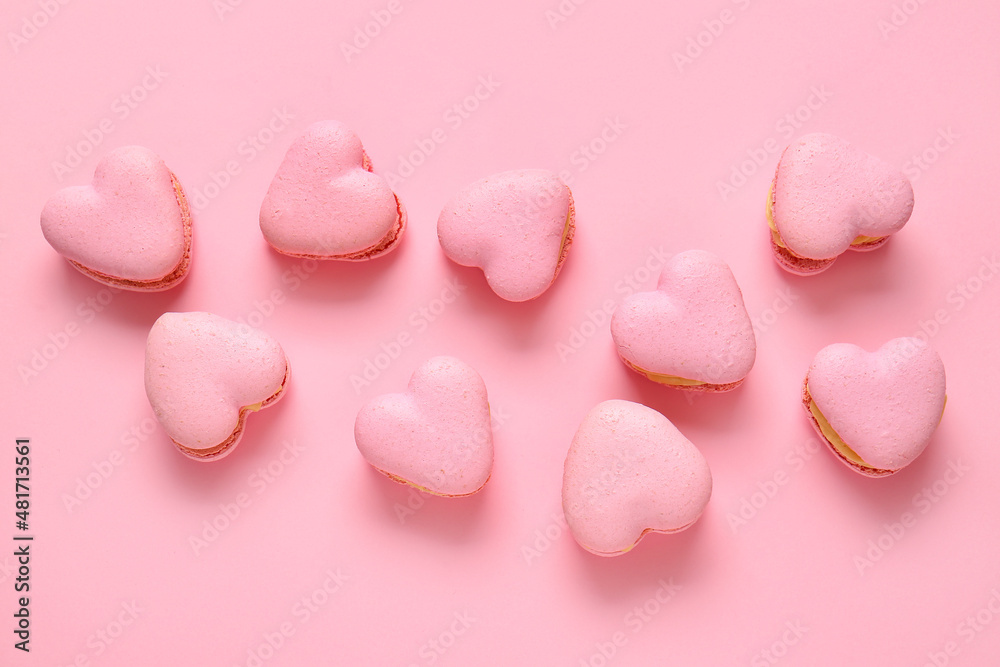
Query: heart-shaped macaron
829, 196
629, 472
205, 374
326, 203
130, 228
436, 435
516, 226
693, 331
876, 410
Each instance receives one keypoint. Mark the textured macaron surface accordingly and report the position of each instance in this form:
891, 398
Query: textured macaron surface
694, 325
128, 223
629, 471
827, 192
436, 435
202, 370
323, 200
885, 404
515, 226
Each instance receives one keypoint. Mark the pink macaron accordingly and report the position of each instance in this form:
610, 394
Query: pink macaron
829, 196
130, 228
876, 410
516, 226
693, 331
205, 374
436, 435
325, 202
629, 472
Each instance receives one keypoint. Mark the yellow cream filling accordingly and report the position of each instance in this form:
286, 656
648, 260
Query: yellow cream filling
673, 380
833, 438
861, 239
255, 407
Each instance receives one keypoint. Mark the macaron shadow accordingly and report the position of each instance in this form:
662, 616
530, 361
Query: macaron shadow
333, 279
886, 498
522, 320
403, 507
657, 558
263, 433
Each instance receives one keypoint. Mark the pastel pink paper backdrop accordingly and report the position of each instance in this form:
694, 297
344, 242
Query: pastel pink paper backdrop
495, 579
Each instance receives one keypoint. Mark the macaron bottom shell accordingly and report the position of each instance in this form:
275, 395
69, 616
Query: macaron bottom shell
225, 447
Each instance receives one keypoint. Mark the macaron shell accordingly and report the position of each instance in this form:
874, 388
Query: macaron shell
629, 471
436, 435
694, 325
325, 202
828, 192
131, 227
204, 373
885, 404
517, 226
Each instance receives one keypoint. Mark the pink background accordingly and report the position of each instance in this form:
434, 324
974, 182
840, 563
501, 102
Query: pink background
494, 579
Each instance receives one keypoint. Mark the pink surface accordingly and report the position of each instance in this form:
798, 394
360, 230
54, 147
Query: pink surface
629, 472
436, 434
516, 226
694, 325
827, 192
668, 134
130, 224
